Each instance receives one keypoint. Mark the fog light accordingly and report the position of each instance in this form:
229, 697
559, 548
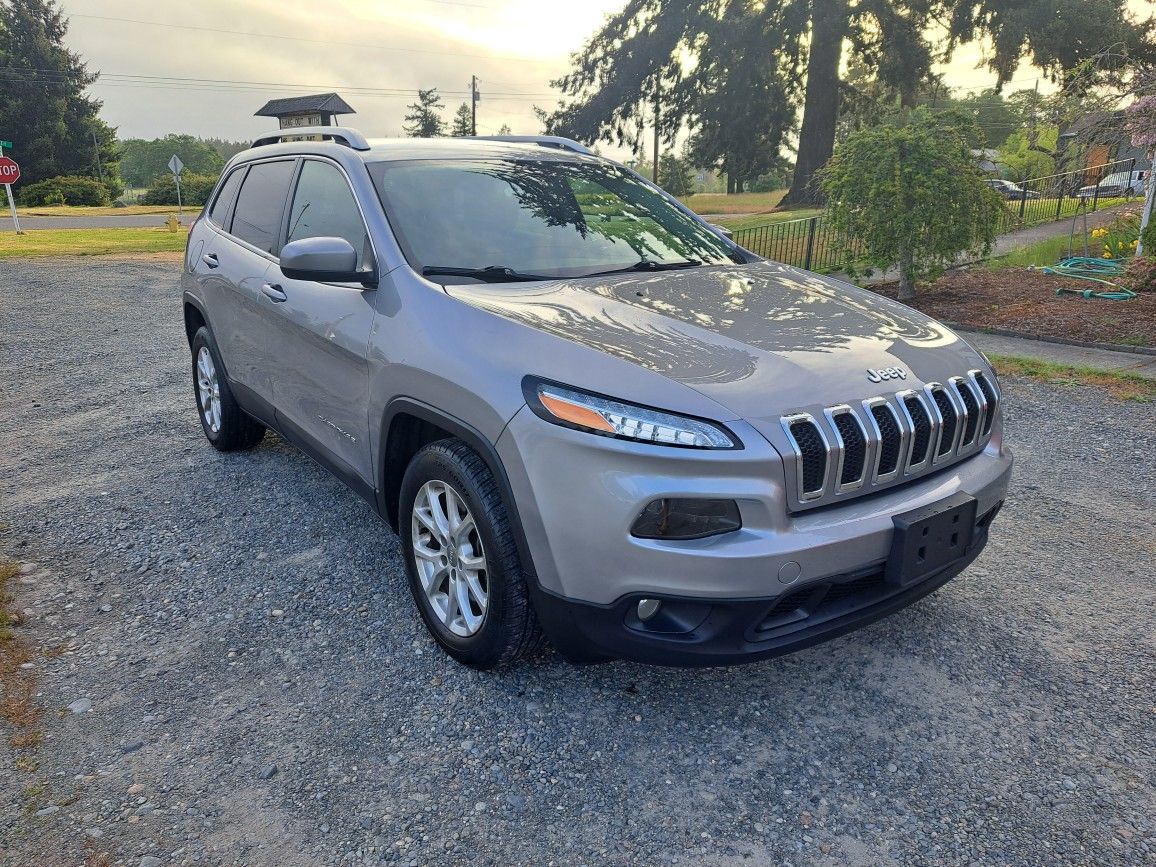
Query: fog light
647, 608
686, 519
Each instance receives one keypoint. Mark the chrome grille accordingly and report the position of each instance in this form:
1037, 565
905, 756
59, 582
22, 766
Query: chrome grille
847, 450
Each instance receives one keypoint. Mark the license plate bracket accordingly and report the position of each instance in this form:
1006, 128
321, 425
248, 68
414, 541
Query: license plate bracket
930, 538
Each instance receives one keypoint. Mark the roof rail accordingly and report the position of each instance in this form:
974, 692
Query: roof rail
546, 141
340, 134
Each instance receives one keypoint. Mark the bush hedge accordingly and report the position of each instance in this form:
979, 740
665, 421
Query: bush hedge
65, 190
195, 189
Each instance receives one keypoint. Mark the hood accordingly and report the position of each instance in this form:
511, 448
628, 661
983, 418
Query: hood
760, 339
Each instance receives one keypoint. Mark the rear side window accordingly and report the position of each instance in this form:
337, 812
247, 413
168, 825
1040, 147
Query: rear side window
260, 204
324, 207
224, 201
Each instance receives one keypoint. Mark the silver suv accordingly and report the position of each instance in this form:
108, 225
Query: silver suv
589, 415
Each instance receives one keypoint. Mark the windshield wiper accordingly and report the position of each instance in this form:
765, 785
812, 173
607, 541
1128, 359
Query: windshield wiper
490, 274
648, 265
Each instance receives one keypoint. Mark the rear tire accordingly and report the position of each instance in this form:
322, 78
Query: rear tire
227, 427
461, 558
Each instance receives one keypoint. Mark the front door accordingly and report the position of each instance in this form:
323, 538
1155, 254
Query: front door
320, 331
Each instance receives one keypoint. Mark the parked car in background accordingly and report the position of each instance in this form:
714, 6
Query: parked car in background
1011, 192
1116, 185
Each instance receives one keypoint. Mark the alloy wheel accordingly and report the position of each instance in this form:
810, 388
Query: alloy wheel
449, 558
209, 390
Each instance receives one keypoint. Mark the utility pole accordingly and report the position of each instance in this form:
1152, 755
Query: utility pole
474, 97
657, 117
96, 153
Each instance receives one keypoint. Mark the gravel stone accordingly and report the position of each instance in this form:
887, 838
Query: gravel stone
1033, 668
81, 705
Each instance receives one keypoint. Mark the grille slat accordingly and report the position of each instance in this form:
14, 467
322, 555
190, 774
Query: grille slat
971, 405
989, 396
921, 422
854, 447
891, 439
846, 450
950, 420
813, 452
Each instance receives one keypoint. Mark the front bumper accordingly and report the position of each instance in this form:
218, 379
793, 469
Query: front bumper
737, 630
578, 495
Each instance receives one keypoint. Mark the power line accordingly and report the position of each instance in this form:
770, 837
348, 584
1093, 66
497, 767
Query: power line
252, 35
115, 79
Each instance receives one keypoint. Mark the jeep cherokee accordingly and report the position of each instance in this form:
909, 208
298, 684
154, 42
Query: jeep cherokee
589, 415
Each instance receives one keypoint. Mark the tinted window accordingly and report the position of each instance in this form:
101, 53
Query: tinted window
324, 207
226, 197
257, 217
557, 218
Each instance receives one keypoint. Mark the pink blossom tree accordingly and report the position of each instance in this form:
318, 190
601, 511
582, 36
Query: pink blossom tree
1141, 121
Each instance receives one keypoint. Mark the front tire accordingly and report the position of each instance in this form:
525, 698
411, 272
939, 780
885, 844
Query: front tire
227, 427
461, 558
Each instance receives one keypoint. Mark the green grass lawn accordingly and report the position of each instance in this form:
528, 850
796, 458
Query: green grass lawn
739, 203
737, 223
90, 242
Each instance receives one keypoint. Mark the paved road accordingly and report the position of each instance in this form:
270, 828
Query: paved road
129, 222
231, 670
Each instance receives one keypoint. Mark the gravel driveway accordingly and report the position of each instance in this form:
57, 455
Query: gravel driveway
231, 670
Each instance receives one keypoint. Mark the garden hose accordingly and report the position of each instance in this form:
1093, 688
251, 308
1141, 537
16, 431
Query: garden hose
1095, 271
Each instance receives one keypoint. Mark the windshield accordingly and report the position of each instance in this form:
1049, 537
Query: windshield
1118, 178
537, 219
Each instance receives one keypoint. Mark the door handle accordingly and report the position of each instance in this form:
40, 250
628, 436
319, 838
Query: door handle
210, 259
271, 290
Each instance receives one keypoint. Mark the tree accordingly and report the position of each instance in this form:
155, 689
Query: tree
1141, 121
423, 120
675, 174
736, 97
144, 161
911, 193
226, 148
54, 126
1025, 156
463, 123
504, 129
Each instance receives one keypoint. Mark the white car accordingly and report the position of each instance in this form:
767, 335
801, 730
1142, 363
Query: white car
1116, 185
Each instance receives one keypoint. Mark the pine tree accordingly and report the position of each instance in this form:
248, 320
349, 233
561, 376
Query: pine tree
424, 120
463, 121
44, 110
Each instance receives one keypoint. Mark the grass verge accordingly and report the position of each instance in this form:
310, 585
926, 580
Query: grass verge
90, 242
1121, 384
102, 211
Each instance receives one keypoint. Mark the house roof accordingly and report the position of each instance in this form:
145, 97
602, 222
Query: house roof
323, 103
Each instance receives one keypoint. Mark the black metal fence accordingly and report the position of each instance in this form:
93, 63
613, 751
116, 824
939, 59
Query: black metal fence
813, 244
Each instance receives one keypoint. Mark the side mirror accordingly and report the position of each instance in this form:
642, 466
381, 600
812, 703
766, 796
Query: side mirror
723, 230
329, 260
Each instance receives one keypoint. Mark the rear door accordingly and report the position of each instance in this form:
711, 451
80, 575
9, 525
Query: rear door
233, 266
321, 330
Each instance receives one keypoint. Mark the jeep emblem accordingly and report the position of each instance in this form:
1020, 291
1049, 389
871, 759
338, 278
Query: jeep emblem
886, 373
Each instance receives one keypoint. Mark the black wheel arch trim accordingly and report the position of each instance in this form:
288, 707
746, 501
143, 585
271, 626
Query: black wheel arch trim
476, 440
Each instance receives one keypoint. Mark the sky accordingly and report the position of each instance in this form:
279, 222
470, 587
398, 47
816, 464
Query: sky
204, 68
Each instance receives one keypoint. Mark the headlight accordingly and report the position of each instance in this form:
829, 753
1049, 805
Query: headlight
589, 412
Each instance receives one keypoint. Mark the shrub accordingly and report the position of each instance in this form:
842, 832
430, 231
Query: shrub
910, 191
1140, 276
195, 189
65, 190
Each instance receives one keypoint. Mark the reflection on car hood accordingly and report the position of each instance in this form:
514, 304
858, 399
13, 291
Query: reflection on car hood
740, 334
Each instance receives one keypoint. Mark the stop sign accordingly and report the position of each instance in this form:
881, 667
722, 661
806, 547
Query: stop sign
9, 171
